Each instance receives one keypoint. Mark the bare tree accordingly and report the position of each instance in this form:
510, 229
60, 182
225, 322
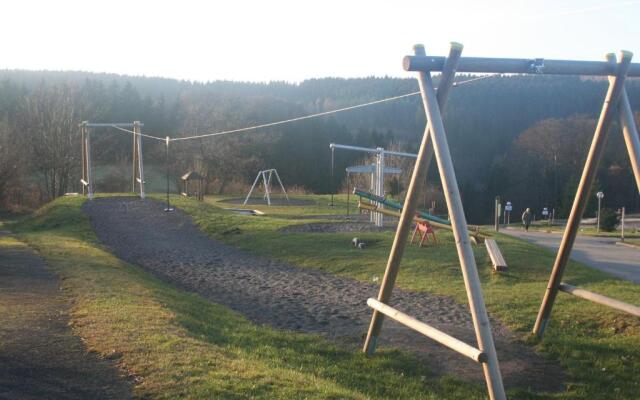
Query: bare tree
48, 126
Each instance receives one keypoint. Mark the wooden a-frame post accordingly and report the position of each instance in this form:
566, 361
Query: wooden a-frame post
434, 142
612, 101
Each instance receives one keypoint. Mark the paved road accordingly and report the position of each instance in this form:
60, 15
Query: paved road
596, 252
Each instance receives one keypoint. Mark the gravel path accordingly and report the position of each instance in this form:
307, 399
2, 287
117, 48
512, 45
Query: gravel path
40, 358
287, 297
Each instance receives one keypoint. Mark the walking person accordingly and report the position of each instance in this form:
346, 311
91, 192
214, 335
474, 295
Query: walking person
526, 218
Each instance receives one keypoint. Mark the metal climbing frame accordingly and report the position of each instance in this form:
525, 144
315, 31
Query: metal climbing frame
434, 142
377, 176
87, 167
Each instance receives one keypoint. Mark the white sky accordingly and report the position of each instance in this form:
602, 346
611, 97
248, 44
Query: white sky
295, 40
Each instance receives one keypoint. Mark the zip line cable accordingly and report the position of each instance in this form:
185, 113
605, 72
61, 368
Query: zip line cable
138, 133
302, 118
286, 121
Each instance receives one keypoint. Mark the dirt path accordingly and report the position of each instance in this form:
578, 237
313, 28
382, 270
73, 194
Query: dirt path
40, 358
287, 297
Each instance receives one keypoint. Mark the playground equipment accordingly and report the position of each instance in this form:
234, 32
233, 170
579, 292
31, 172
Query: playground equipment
423, 228
368, 169
87, 171
377, 178
192, 176
266, 176
435, 142
499, 264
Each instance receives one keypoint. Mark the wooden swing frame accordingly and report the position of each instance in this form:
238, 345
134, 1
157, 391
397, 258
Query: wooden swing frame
434, 141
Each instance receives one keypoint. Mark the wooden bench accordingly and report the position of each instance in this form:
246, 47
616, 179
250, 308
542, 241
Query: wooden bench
499, 264
424, 229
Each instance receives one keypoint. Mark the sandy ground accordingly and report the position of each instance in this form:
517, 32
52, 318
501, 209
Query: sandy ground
287, 297
40, 358
275, 201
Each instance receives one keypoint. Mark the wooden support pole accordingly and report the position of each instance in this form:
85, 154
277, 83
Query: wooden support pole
600, 299
538, 66
83, 128
609, 108
481, 324
87, 143
411, 201
630, 132
429, 331
140, 178
134, 159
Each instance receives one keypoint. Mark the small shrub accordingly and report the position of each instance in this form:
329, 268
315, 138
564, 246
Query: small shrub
608, 220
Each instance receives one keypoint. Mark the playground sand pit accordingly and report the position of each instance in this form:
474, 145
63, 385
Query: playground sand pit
275, 201
284, 296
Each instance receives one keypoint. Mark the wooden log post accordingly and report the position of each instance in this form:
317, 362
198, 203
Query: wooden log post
134, 159
140, 178
609, 108
481, 324
87, 143
411, 202
83, 128
631, 138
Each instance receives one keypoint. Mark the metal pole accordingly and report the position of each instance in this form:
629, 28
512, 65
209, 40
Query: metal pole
468, 265
418, 179
252, 187
380, 184
616, 86
333, 181
169, 208
622, 225
286, 196
348, 193
266, 187
598, 220
496, 213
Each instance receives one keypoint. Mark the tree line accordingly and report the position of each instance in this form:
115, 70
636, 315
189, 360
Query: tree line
521, 137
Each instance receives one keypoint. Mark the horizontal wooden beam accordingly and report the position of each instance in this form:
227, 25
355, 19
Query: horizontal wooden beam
108, 125
600, 299
518, 66
429, 331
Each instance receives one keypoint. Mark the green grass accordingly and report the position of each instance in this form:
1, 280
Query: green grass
178, 345
599, 347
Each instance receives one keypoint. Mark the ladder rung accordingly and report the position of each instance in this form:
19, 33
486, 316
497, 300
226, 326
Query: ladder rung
600, 299
429, 331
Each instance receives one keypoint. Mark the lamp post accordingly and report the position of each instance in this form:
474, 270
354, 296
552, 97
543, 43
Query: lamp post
600, 196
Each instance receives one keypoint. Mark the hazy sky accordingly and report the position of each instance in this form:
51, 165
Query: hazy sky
295, 40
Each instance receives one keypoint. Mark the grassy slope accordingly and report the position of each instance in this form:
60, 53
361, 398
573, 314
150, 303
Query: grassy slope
599, 347
176, 344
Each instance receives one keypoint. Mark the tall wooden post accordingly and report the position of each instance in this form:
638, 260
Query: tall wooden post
134, 159
630, 133
616, 88
425, 154
83, 128
87, 144
137, 129
482, 326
